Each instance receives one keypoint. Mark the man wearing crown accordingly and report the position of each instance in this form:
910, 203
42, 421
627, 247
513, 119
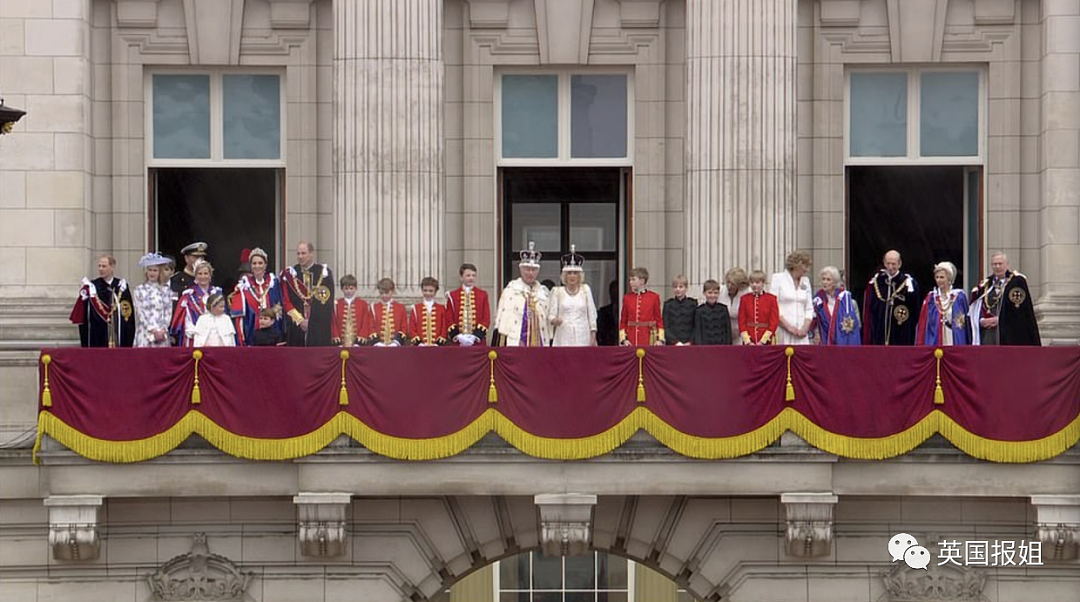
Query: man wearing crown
521, 317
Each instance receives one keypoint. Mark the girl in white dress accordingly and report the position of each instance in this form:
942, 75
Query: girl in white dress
214, 328
153, 304
571, 309
795, 298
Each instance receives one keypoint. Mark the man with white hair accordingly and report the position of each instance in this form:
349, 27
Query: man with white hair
891, 305
521, 317
1002, 312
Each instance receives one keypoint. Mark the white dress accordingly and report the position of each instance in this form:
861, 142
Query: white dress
796, 306
214, 331
733, 311
578, 315
153, 310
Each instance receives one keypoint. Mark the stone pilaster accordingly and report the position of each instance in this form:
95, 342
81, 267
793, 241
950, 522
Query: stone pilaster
1059, 304
388, 140
740, 135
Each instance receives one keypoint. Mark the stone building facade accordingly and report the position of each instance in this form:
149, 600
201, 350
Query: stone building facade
404, 137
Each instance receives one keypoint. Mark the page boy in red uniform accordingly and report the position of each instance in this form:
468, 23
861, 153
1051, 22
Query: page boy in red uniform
427, 319
641, 322
468, 315
759, 314
352, 316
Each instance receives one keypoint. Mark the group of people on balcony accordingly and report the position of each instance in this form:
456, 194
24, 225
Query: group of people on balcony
300, 308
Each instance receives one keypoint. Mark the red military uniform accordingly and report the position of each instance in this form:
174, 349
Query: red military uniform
642, 322
352, 322
467, 312
759, 316
388, 326
427, 327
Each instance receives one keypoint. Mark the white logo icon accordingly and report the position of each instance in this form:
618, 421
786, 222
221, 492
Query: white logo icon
899, 544
917, 557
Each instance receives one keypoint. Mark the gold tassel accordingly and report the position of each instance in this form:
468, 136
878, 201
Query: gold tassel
640, 376
789, 395
939, 394
343, 394
46, 395
493, 393
196, 395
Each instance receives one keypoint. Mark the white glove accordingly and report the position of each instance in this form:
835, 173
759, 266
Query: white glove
380, 344
395, 344
465, 340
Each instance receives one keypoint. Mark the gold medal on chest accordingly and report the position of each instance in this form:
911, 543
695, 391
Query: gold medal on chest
900, 314
321, 294
1017, 296
847, 325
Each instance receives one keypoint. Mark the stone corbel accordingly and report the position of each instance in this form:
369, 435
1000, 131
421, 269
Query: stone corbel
916, 29
840, 13
809, 523
73, 526
290, 14
1057, 526
488, 14
995, 12
136, 13
639, 13
321, 525
565, 523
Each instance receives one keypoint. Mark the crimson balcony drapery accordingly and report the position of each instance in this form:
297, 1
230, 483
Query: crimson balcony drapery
1005, 404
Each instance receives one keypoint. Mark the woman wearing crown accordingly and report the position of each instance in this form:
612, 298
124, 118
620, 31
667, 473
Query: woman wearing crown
255, 292
192, 304
522, 315
572, 311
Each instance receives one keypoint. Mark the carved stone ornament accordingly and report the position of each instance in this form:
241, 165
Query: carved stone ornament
73, 526
1057, 526
809, 523
200, 575
565, 523
935, 583
322, 520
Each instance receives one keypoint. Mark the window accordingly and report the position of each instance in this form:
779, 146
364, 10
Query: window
213, 117
917, 115
216, 163
555, 208
533, 577
564, 118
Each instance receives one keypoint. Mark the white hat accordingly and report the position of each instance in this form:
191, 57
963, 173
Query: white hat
152, 259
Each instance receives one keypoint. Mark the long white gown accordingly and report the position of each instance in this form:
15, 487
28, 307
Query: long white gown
796, 305
578, 315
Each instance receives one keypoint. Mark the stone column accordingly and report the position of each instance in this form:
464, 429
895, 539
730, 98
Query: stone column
740, 135
1059, 304
388, 141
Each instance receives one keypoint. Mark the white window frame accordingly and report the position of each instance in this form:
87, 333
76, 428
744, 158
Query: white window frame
217, 118
631, 576
563, 119
914, 116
